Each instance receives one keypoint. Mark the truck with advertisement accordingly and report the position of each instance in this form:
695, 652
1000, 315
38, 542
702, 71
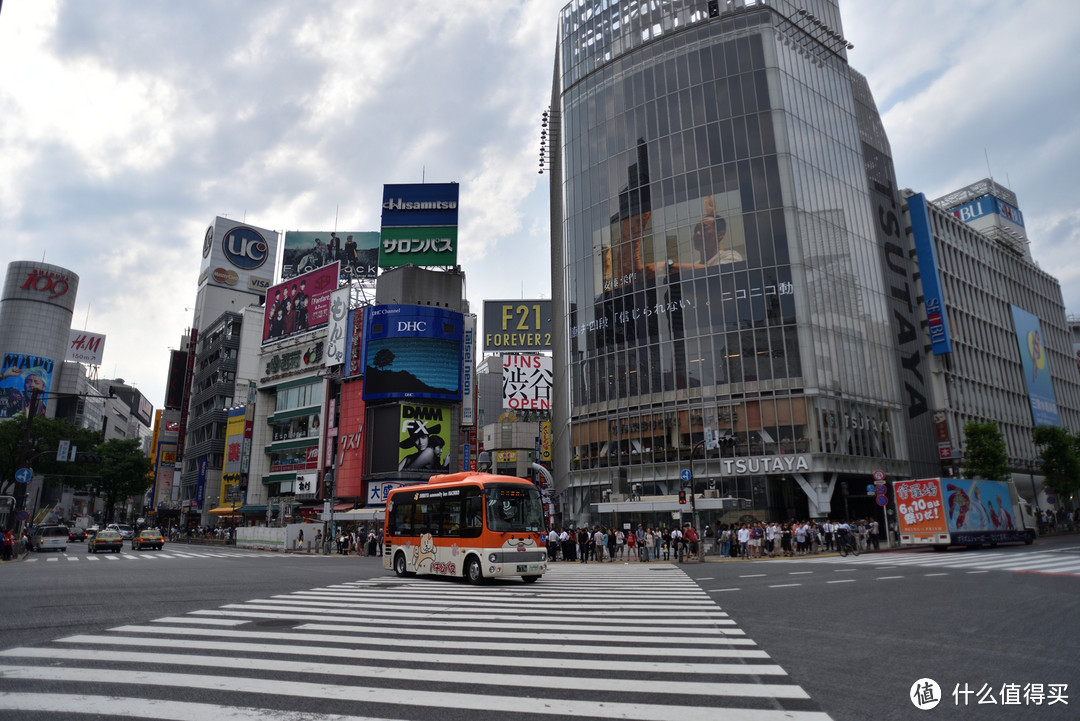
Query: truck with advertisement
943, 512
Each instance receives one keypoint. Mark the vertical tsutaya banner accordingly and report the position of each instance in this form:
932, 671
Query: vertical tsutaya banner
422, 438
336, 337
419, 225
526, 382
358, 253
412, 351
1040, 387
299, 305
468, 372
21, 375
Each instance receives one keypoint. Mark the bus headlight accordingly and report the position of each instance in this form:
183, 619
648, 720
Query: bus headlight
492, 558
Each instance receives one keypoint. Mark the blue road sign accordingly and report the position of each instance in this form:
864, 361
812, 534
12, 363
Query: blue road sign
23, 475
686, 474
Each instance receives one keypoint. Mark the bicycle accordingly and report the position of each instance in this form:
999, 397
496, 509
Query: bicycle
846, 544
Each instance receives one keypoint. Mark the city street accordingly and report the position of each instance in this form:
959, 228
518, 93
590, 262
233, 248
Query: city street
210, 632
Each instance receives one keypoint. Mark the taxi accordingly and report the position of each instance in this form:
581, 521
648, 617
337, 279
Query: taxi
106, 540
147, 539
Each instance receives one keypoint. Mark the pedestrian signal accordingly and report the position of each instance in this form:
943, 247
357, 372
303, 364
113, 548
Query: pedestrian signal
682, 496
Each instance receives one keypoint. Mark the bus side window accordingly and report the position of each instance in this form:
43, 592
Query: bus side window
474, 514
451, 517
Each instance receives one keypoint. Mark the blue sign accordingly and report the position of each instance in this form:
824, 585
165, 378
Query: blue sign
1040, 388
937, 322
23, 475
22, 515
420, 204
245, 247
987, 205
412, 351
686, 476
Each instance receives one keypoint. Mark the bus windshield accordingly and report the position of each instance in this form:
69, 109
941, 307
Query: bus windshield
514, 508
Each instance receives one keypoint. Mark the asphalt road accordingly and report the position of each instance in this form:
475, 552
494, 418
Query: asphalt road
852, 634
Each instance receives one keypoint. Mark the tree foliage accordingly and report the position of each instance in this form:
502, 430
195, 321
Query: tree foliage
1059, 459
985, 453
124, 470
37, 449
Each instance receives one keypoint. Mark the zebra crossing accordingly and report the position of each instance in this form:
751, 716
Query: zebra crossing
1047, 562
589, 641
127, 555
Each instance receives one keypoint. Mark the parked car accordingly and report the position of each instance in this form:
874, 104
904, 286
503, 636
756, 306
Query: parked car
126, 532
107, 540
148, 539
76, 534
49, 538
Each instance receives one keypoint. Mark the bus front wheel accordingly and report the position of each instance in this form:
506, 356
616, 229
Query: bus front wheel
473, 572
399, 564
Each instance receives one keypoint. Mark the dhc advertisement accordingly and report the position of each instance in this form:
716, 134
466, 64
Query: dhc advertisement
412, 351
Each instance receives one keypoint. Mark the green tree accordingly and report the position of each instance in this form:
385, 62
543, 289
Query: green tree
1059, 459
38, 449
985, 454
124, 470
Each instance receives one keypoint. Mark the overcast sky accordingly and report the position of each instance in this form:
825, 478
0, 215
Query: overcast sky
126, 126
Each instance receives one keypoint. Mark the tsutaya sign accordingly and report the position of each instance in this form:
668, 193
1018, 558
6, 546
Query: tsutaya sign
765, 465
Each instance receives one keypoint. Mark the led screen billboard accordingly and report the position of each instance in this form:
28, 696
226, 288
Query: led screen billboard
356, 251
412, 351
299, 305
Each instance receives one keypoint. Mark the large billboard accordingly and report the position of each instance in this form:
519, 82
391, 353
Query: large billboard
238, 256
511, 325
84, 347
422, 438
299, 305
1040, 387
21, 375
350, 441
526, 381
412, 351
174, 388
357, 251
419, 225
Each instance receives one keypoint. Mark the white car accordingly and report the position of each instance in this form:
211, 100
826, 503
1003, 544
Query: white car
126, 532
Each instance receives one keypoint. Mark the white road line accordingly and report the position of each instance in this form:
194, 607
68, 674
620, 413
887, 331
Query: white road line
887, 578
928, 575
722, 590
414, 697
784, 585
843, 580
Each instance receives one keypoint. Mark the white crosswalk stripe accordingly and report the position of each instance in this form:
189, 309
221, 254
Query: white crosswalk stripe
988, 560
389, 646
128, 555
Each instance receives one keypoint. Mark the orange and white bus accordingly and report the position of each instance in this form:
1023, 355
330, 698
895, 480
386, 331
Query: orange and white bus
476, 525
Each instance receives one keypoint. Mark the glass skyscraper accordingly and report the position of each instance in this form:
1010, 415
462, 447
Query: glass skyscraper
727, 262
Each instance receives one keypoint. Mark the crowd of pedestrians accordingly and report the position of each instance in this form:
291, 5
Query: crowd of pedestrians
738, 540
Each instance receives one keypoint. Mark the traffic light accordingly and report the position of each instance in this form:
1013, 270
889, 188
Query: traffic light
682, 497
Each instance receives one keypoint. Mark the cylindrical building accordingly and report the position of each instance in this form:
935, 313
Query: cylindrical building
727, 265
35, 322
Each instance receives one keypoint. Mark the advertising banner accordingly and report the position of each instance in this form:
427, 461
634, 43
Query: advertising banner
350, 443
921, 506
354, 339
923, 236
299, 305
428, 246
238, 256
164, 460
1040, 387
422, 438
20, 375
412, 351
234, 439
357, 251
512, 325
468, 372
419, 204
526, 381
85, 347
336, 336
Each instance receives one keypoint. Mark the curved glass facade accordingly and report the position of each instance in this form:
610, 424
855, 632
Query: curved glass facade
724, 293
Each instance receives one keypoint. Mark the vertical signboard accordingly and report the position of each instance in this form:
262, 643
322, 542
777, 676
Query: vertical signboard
468, 372
923, 236
1037, 379
350, 444
336, 336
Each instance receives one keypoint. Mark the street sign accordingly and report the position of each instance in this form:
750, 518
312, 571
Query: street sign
869, 489
23, 475
880, 489
686, 474
883, 500
879, 476
22, 515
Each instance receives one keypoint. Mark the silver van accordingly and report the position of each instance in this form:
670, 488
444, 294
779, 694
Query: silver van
49, 538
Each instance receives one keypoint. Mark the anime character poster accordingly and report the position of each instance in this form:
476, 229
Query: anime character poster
1040, 386
20, 376
422, 438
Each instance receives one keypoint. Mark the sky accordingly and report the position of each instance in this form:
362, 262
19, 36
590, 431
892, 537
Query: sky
127, 126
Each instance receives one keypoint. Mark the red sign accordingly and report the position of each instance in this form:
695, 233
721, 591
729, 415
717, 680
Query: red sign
944, 452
